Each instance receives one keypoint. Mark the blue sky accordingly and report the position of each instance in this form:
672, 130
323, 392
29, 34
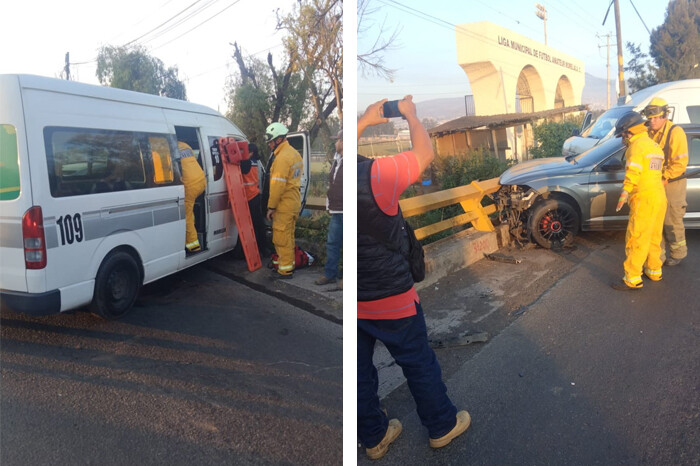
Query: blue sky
425, 58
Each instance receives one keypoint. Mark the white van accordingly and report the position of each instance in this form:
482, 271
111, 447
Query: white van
91, 201
683, 98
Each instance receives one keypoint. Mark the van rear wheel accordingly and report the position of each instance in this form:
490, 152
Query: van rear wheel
116, 286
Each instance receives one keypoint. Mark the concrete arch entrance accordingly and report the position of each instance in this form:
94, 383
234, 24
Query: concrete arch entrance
511, 73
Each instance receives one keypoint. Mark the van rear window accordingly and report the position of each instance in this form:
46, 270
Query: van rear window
88, 161
9, 163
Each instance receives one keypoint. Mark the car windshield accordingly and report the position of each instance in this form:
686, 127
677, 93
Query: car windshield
605, 122
596, 154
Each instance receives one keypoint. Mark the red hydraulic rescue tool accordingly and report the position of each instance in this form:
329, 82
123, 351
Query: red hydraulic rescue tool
232, 152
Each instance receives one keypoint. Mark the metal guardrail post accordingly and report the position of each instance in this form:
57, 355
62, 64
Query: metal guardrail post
482, 222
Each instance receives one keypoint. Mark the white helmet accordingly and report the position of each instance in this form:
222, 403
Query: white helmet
274, 131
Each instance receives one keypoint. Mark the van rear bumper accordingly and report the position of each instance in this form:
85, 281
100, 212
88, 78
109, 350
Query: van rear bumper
36, 304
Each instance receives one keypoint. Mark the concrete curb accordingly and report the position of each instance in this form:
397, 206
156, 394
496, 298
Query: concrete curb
459, 251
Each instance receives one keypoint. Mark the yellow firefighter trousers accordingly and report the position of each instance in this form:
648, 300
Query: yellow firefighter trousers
283, 224
674, 230
644, 235
193, 188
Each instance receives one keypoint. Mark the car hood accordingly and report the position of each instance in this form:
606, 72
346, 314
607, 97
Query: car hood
577, 144
529, 170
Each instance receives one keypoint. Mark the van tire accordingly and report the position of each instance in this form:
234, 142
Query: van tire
553, 223
116, 286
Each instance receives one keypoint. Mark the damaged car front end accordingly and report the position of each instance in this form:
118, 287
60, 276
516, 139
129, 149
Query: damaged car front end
549, 200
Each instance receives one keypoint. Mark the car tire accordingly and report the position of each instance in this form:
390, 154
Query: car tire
116, 286
553, 223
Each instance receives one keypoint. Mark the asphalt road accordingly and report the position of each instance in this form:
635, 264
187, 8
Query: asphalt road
204, 371
573, 372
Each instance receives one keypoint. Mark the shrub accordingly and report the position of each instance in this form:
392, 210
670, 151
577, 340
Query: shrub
550, 137
461, 170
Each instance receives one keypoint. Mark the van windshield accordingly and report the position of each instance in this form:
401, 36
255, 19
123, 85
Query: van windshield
605, 122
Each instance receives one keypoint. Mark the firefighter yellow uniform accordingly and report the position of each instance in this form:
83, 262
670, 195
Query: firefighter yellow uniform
647, 201
674, 143
285, 200
195, 183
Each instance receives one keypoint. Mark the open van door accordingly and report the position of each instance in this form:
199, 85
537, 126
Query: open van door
300, 141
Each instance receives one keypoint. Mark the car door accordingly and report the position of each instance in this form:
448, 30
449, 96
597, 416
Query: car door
692, 215
605, 185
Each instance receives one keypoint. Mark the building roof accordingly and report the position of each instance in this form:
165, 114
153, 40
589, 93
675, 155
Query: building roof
499, 121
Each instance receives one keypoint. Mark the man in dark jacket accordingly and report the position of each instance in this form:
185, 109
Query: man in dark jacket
388, 307
334, 204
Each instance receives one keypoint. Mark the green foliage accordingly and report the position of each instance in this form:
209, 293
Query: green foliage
642, 73
251, 102
550, 137
133, 68
314, 43
461, 170
675, 45
311, 234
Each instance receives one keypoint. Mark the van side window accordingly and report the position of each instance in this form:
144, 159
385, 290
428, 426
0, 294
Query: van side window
694, 149
88, 161
162, 160
215, 157
9, 163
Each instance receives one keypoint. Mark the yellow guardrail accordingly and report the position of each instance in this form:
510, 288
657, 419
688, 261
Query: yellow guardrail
468, 196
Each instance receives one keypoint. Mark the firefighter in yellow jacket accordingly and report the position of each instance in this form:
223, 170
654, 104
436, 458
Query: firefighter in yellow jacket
644, 190
284, 202
195, 183
674, 142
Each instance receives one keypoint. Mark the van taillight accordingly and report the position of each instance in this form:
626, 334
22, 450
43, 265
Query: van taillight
33, 236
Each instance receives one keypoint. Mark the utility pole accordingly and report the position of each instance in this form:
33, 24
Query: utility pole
66, 69
607, 81
542, 14
620, 67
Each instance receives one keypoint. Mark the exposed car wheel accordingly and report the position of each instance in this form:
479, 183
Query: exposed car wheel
553, 223
116, 286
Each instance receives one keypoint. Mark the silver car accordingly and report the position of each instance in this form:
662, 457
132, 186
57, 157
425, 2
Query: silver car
549, 200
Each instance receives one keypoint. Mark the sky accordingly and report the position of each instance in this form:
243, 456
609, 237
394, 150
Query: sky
425, 56
37, 34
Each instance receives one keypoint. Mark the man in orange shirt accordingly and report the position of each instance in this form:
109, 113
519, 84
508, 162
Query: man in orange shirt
388, 307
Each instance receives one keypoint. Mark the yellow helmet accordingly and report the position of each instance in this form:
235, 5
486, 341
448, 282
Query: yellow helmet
657, 107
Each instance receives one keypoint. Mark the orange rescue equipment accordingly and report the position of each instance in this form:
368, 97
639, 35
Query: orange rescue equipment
232, 152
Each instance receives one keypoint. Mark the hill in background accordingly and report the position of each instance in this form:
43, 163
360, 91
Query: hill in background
454, 107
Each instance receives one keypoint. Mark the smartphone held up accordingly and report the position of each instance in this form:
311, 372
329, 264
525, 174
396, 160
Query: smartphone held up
390, 109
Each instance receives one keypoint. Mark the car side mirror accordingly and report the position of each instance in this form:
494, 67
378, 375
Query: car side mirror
612, 166
575, 132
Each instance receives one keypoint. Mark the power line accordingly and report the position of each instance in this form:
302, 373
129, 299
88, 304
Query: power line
190, 30
163, 23
180, 21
